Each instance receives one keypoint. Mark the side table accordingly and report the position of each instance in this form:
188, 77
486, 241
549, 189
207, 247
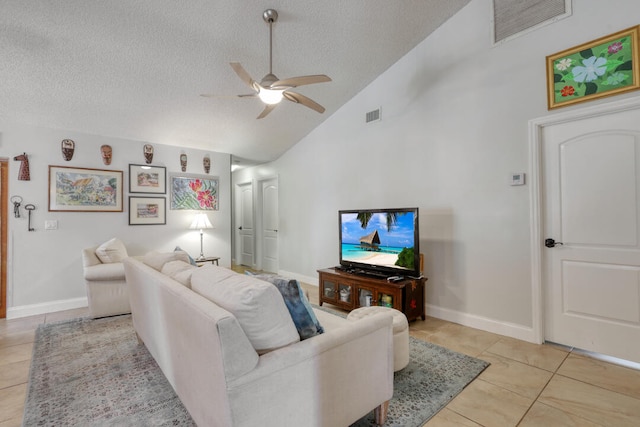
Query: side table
212, 259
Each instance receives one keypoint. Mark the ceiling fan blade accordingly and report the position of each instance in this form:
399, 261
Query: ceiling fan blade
248, 95
244, 76
267, 109
301, 99
301, 81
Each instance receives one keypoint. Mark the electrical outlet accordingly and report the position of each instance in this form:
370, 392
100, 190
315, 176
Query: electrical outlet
51, 224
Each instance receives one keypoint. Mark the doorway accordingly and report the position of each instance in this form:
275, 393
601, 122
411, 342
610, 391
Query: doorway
585, 234
4, 219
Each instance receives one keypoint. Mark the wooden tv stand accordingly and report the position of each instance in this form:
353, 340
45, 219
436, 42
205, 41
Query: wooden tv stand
350, 291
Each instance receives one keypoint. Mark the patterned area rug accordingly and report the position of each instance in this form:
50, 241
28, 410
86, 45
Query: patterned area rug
94, 373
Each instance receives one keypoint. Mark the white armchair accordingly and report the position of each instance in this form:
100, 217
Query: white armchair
107, 291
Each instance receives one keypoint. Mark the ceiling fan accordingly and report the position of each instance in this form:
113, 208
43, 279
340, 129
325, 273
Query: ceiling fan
272, 90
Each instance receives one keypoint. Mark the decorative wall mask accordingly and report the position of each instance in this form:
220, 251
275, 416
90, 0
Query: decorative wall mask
107, 152
68, 147
148, 153
206, 161
183, 162
23, 173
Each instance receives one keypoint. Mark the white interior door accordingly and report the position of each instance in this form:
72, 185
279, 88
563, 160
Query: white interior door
270, 225
246, 229
591, 196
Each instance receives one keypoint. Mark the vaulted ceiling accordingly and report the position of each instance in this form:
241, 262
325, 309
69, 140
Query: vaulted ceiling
135, 69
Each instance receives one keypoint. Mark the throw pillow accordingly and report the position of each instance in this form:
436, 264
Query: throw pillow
111, 251
156, 260
179, 271
299, 308
256, 305
191, 260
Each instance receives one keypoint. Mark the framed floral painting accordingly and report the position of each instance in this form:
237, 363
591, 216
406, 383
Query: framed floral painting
194, 192
603, 67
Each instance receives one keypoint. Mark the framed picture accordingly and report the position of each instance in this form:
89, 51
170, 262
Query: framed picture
147, 179
84, 190
603, 67
194, 192
147, 210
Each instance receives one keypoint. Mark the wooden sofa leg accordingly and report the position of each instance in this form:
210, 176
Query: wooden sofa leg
380, 413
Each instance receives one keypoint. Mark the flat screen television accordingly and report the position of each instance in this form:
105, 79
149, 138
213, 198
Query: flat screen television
381, 242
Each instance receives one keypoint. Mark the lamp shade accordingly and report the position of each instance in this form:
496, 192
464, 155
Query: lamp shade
200, 222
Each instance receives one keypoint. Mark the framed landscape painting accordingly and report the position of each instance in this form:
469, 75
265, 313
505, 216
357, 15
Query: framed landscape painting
194, 192
147, 179
147, 210
603, 67
84, 190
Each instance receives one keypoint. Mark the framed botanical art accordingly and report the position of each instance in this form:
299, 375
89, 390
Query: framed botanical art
147, 210
603, 67
147, 179
194, 192
84, 190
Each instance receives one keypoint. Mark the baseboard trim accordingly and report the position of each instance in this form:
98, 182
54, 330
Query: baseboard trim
313, 281
490, 325
47, 307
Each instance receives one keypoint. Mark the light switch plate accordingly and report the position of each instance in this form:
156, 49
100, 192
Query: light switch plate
51, 224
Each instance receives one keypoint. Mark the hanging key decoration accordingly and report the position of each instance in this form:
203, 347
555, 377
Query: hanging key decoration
29, 208
16, 200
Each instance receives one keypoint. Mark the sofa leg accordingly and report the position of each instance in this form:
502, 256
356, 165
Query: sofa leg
380, 413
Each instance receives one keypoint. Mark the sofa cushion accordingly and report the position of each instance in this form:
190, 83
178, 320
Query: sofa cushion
191, 260
299, 308
179, 271
156, 260
111, 251
256, 304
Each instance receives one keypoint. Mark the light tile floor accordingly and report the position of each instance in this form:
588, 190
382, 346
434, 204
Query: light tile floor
527, 385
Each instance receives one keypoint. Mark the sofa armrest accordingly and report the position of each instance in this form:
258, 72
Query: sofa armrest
89, 257
103, 272
337, 377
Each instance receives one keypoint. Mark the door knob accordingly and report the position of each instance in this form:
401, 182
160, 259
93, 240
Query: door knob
550, 243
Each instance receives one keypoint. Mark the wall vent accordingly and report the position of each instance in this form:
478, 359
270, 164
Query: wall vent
515, 17
373, 116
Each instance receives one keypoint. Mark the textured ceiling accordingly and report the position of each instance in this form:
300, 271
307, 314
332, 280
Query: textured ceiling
135, 69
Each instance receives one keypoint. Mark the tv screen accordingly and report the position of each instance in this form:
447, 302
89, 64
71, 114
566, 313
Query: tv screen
384, 242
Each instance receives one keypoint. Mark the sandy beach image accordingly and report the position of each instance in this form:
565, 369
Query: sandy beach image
379, 258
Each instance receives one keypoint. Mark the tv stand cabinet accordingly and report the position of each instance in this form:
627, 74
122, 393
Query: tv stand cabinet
350, 291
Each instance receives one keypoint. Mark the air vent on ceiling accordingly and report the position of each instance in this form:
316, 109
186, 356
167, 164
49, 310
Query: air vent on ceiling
513, 17
373, 116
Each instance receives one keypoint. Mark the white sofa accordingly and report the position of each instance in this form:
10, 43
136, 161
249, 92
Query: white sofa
331, 379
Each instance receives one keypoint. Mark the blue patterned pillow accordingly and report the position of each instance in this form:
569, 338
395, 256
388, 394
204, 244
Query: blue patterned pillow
299, 308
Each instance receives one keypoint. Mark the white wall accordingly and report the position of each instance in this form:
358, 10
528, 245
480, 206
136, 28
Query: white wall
455, 112
45, 266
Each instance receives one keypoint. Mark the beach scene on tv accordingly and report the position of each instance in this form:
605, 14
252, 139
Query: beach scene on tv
380, 238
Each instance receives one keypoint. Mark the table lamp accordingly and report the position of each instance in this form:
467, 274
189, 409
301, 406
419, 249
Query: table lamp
201, 222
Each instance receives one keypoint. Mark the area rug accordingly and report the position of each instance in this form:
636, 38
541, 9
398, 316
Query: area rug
93, 372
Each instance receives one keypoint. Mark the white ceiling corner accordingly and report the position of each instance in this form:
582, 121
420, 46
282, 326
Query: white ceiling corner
135, 69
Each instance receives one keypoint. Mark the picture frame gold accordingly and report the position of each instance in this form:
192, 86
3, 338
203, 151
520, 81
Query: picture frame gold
603, 67
84, 190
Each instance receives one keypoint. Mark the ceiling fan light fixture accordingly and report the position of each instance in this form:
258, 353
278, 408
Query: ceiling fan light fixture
270, 96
